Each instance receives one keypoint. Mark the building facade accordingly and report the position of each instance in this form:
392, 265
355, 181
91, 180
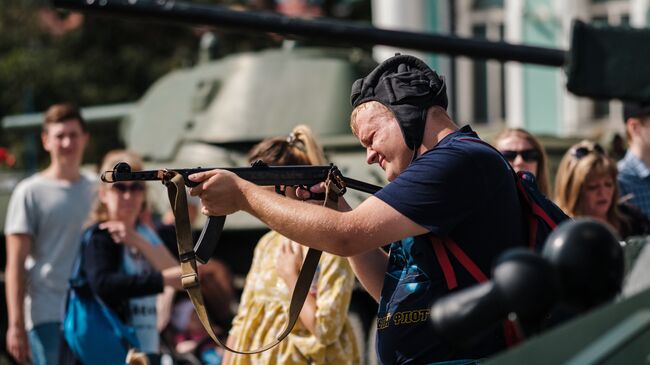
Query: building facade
494, 94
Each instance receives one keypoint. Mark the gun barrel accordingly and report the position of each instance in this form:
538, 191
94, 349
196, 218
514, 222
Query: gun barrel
330, 30
267, 175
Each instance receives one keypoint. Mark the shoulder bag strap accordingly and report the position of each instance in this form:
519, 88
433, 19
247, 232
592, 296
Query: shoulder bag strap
190, 278
440, 248
512, 334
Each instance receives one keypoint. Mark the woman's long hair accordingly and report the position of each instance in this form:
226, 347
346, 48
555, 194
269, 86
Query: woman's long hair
298, 148
99, 212
584, 161
541, 175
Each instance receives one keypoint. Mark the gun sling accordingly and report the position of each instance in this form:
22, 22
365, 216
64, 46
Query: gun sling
190, 279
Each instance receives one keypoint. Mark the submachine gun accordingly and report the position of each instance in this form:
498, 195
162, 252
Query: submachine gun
261, 174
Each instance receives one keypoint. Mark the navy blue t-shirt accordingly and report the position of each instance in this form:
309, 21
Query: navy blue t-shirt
461, 190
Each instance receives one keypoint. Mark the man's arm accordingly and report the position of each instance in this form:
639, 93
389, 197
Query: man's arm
370, 267
158, 255
369, 226
18, 248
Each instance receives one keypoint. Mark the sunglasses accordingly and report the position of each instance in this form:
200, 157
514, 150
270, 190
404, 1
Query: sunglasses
131, 188
581, 152
527, 155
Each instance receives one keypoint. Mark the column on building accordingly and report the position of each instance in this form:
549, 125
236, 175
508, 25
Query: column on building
537, 24
414, 15
481, 84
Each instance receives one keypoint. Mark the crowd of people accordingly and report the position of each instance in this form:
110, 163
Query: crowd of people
588, 183
446, 194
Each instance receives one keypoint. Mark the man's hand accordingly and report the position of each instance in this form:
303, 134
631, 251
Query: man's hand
18, 248
302, 194
17, 344
219, 190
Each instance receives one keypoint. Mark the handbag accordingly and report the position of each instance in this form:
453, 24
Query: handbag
94, 333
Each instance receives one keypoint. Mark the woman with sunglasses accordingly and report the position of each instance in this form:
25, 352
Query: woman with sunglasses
525, 153
323, 334
125, 262
585, 185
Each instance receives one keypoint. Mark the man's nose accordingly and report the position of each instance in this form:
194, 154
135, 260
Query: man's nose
66, 141
371, 156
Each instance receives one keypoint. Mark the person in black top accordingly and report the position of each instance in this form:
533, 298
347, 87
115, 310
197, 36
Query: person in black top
125, 261
446, 186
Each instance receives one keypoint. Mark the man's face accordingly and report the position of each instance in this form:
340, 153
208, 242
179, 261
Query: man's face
65, 141
379, 132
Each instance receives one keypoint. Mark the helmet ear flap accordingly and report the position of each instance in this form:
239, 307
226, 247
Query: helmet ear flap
355, 93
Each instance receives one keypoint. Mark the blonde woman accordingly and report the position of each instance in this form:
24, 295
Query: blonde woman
125, 261
323, 334
524, 153
585, 185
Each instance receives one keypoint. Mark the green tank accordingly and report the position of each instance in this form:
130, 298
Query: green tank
212, 113
617, 333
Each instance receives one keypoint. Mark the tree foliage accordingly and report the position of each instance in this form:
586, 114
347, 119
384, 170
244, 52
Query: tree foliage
104, 60
108, 59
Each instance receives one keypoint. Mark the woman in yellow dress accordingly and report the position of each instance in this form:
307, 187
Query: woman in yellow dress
323, 335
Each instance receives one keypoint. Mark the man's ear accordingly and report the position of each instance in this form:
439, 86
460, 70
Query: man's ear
632, 126
44, 141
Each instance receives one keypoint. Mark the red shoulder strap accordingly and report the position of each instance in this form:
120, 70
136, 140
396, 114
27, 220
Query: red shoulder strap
510, 332
440, 247
443, 260
464, 260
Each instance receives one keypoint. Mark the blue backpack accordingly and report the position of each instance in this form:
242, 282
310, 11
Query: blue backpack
93, 332
541, 215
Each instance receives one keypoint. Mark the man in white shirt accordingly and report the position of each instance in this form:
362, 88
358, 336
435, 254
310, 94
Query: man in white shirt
43, 229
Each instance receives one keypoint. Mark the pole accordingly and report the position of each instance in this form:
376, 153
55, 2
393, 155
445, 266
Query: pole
324, 29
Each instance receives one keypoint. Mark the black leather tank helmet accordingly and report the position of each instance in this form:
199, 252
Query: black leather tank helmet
406, 86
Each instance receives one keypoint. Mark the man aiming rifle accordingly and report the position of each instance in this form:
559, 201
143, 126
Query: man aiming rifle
438, 178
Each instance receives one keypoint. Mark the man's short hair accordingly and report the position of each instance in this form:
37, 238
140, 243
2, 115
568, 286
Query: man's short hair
635, 110
63, 112
408, 88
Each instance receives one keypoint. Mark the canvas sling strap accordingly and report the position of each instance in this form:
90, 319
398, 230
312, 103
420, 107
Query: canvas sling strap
190, 278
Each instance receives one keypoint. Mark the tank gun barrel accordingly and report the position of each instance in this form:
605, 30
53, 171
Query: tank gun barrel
323, 29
